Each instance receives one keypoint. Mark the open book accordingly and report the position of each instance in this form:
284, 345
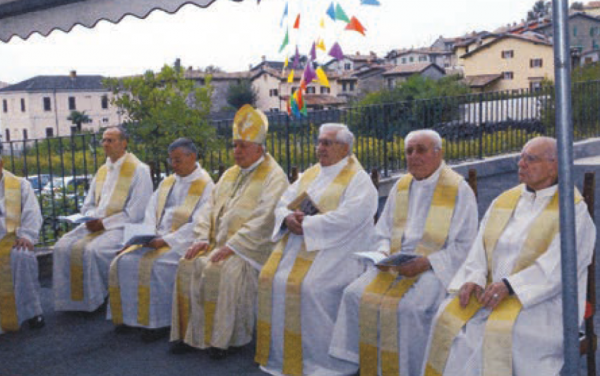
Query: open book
75, 218
380, 259
138, 234
305, 204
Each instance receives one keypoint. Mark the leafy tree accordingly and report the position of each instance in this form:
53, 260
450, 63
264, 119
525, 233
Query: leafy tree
577, 5
540, 9
212, 69
241, 93
161, 107
78, 118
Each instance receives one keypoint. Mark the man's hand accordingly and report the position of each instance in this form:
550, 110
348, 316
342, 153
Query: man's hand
23, 243
157, 243
414, 267
222, 254
294, 222
195, 250
95, 225
493, 295
465, 292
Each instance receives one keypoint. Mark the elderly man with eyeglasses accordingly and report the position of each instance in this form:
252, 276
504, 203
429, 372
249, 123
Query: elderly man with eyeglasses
505, 314
321, 220
118, 196
386, 314
142, 277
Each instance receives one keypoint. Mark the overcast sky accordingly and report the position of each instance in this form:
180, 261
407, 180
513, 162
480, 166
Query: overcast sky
233, 35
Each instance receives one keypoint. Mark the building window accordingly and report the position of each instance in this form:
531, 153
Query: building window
535, 86
72, 105
310, 90
105, 120
422, 58
508, 75
411, 59
347, 66
351, 86
536, 63
22, 104
104, 101
49, 132
574, 31
390, 83
403, 60
47, 104
25, 134
274, 109
273, 93
7, 132
325, 90
508, 54
4, 105
344, 87
294, 88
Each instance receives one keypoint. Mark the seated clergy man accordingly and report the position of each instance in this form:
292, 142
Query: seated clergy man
215, 299
301, 285
505, 317
118, 195
385, 315
20, 223
142, 277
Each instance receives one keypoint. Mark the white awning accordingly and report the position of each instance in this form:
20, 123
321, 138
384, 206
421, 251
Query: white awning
24, 17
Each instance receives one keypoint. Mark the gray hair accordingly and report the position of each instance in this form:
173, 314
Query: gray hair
429, 133
550, 151
184, 143
123, 134
343, 134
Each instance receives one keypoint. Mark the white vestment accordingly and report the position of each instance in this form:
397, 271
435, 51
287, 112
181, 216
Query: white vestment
336, 235
419, 305
100, 251
165, 266
235, 308
23, 262
538, 332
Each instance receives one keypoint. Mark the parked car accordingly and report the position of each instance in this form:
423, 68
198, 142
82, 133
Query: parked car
38, 181
69, 185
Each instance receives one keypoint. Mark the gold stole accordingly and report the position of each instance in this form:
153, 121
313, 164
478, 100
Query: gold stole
115, 205
497, 355
292, 347
244, 208
181, 215
12, 200
381, 297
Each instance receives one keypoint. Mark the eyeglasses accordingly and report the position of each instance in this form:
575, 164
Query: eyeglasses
326, 142
530, 158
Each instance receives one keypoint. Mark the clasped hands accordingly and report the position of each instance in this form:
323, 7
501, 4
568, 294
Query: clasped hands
294, 222
94, 225
488, 298
23, 243
200, 248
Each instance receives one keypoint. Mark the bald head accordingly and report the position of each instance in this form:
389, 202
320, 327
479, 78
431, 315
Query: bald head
538, 165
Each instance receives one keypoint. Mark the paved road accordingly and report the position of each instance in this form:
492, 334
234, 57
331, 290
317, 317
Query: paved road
85, 344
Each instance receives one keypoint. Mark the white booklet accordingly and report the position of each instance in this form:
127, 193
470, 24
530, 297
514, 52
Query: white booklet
373, 256
75, 218
380, 259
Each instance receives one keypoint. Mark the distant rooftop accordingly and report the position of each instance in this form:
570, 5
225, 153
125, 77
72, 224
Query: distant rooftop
72, 82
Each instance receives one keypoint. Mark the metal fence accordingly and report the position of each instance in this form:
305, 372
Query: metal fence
472, 127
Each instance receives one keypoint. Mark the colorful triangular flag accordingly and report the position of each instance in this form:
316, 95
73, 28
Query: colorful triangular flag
336, 51
313, 51
370, 2
284, 15
331, 11
296, 62
322, 77
297, 23
322, 23
286, 62
291, 77
355, 25
340, 14
321, 45
309, 73
285, 42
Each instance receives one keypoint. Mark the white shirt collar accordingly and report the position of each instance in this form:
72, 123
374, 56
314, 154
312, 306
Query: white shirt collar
254, 165
116, 164
191, 177
335, 168
546, 192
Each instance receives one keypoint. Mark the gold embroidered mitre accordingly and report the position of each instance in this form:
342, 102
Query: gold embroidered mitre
250, 124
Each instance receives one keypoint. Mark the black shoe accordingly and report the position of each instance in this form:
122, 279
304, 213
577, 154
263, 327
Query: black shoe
152, 335
178, 348
216, 353
123, 329
36, 322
